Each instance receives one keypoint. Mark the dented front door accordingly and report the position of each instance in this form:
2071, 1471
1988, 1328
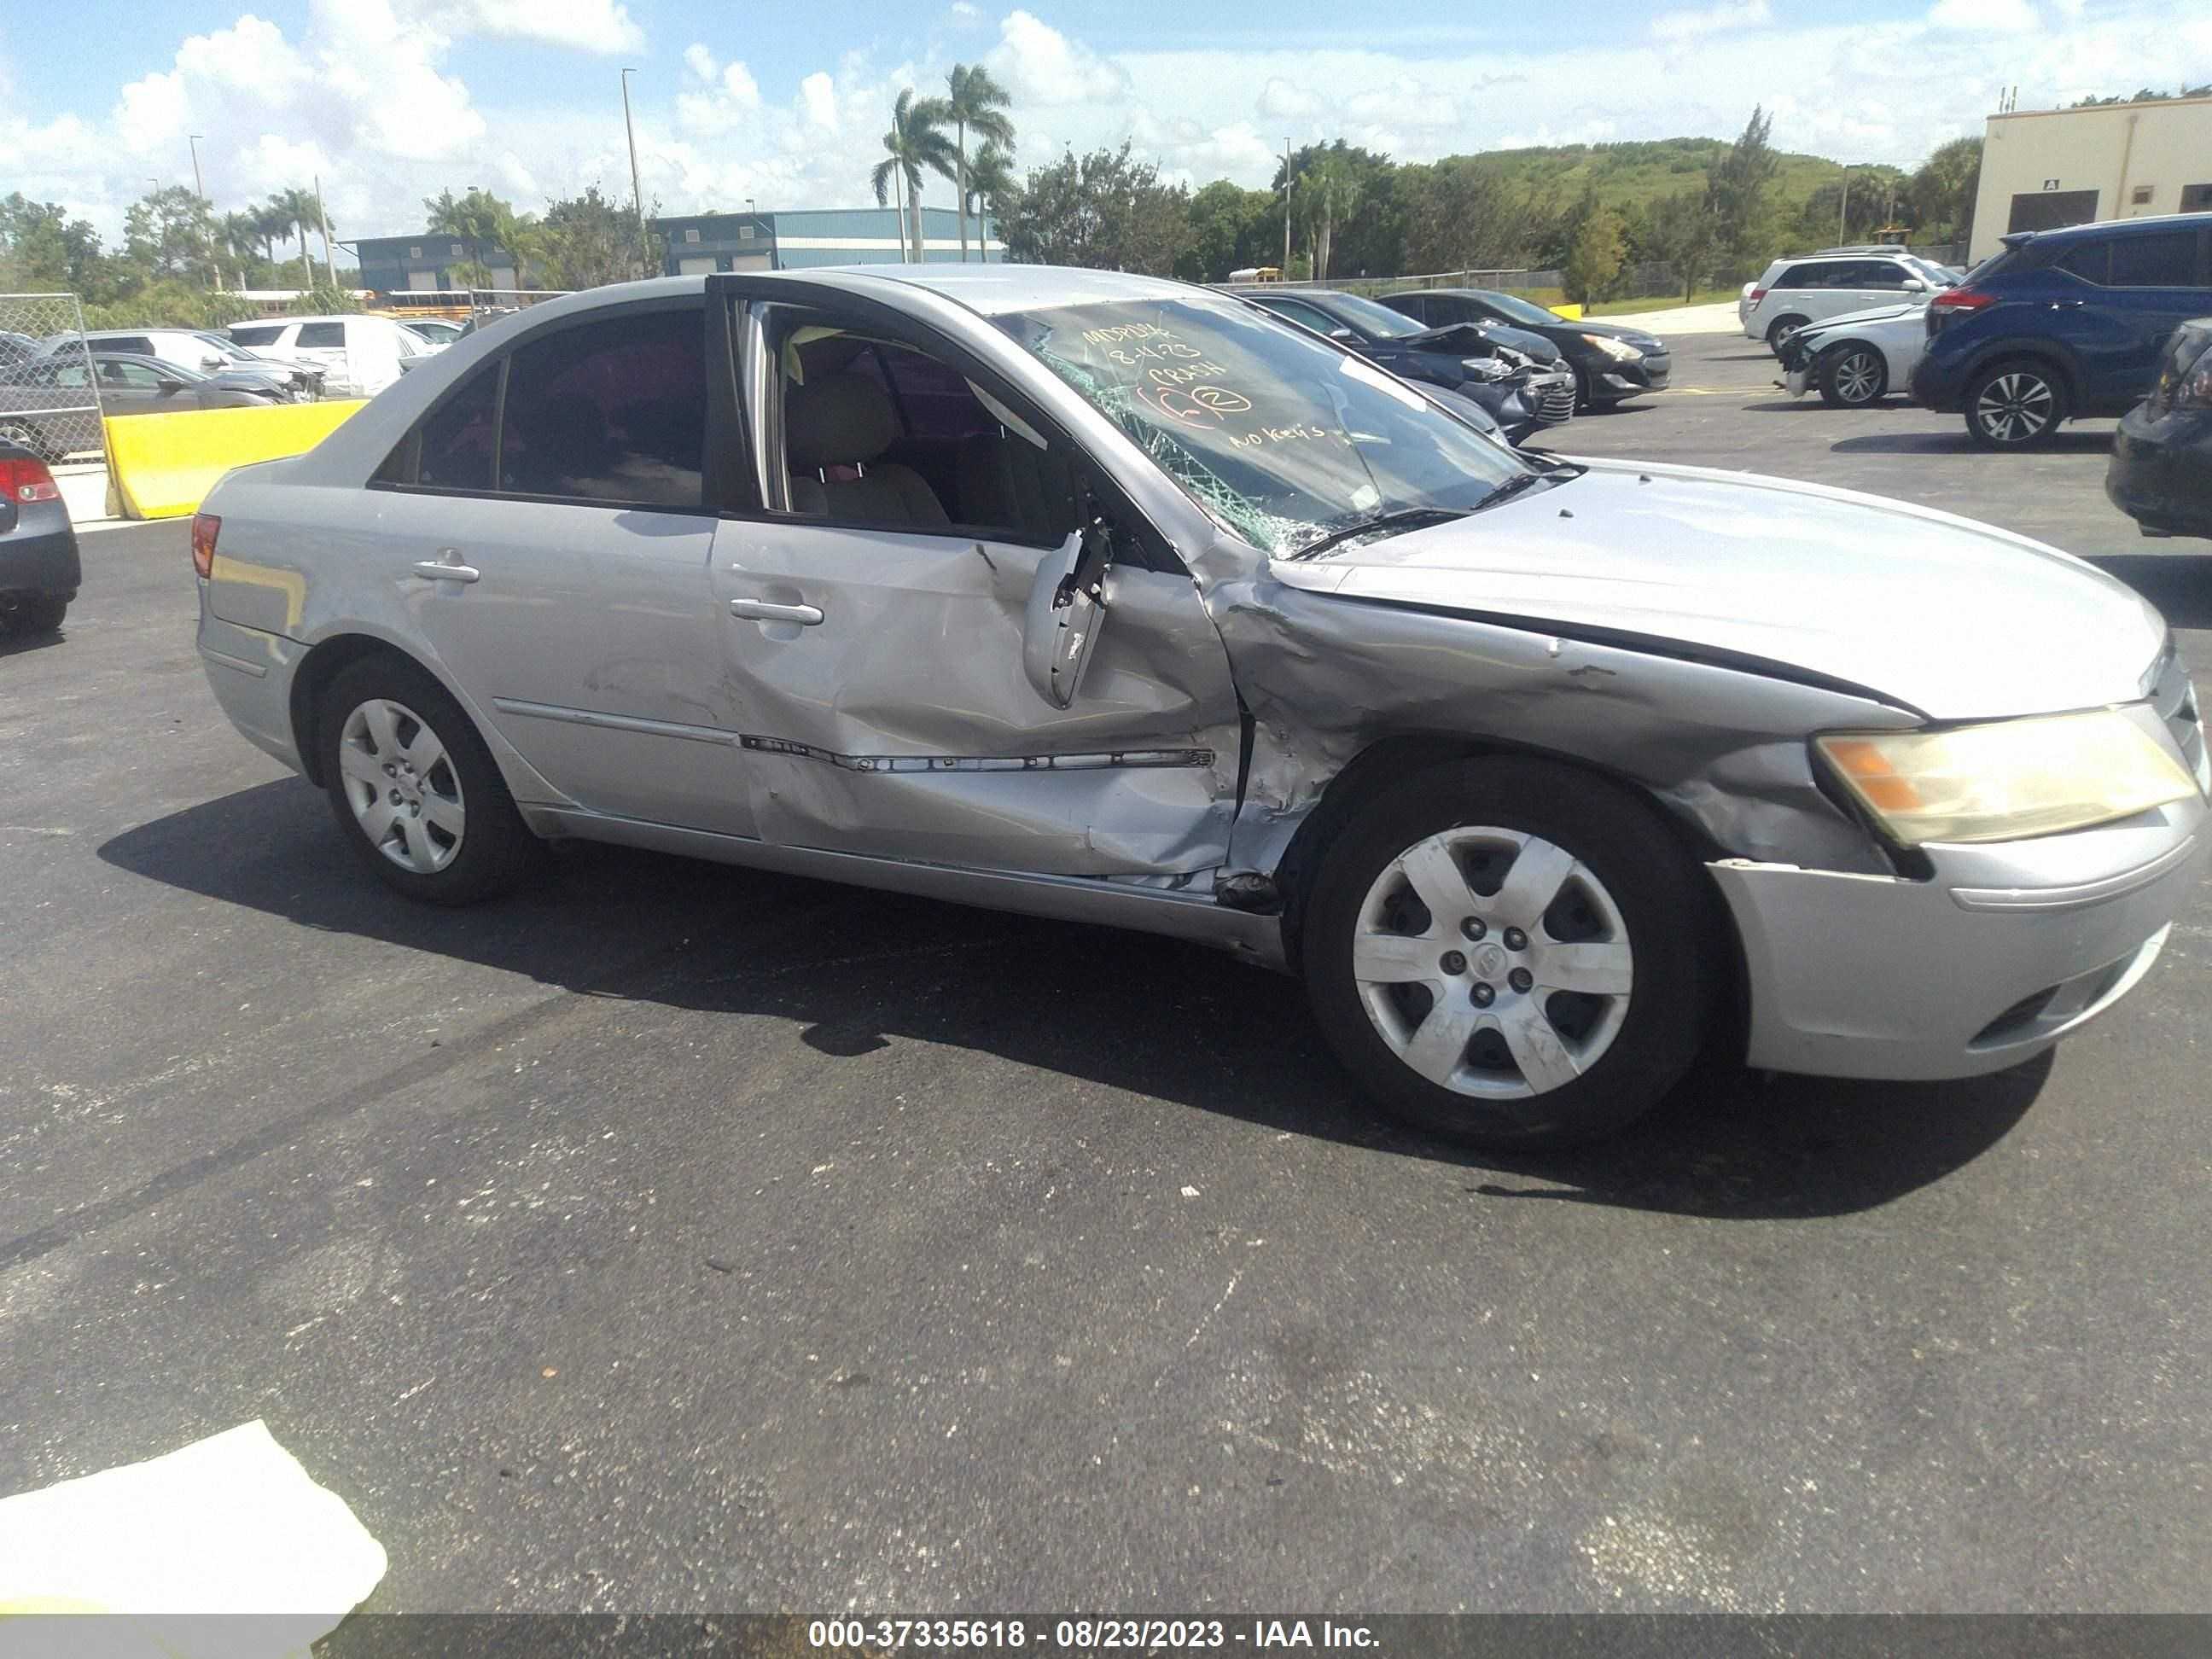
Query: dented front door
878, 683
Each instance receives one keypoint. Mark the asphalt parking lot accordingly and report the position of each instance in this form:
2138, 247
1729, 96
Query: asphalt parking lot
673, 1237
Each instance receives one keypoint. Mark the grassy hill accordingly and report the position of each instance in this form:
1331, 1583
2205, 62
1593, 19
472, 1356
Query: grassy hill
1630, 175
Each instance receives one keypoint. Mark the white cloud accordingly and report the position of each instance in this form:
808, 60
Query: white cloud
818, 98
700, 61
739, 87
600, 26
965, 14
1281, 100
1984, 16
1040, 65
1689, 23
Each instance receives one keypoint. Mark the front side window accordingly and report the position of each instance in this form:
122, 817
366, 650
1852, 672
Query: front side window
1283, 440
1375, 318
330, 335
878, 431
254, 335
1304, 315
2168, 259
613, 410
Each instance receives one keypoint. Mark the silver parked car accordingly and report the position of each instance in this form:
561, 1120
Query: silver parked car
1114, 600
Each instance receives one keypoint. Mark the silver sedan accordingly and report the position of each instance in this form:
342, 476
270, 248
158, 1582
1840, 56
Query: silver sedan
1112, 599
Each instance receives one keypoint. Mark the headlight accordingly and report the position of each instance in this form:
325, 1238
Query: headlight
1619, 351
1485, 368
2007, 780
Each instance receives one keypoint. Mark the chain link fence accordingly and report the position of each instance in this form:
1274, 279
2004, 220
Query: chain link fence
49, 400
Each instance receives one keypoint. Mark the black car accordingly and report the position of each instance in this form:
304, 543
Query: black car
38, 570
42, 404
2160, 473
1517, 377
1612, 363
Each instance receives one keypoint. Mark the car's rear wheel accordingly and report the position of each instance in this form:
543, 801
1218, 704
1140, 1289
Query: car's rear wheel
2015, 404
1510, 953
1779, 331
32, 614
1852, 376
414, 788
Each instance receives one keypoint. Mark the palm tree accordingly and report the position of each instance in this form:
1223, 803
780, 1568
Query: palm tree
913, 142
973, 99
990, 182
288, 212
1327, 191
241, 234
270, 225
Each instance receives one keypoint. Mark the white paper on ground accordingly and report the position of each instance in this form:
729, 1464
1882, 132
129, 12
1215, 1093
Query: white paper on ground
228, 1525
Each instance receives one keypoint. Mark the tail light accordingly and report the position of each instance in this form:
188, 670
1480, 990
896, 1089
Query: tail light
26, 480
1953, 303
1757, 295
205, 525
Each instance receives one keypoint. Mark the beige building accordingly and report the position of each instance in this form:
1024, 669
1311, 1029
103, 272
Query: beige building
2045, 167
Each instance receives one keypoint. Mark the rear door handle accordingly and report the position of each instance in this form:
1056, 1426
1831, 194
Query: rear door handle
806, 616
447, 568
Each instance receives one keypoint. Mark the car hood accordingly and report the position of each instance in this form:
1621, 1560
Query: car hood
1953, 619
1476, 339
1641, 337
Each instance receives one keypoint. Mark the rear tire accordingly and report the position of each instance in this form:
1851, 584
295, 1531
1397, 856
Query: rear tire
1852, 376
2016, 405
35, 614
1779, 331
415, 790
1546, 917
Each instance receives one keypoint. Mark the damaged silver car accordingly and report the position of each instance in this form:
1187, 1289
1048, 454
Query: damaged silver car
1113, 600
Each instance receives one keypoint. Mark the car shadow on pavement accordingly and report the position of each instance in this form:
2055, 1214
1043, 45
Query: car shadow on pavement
2178, 583
1956, 442
14, 645
1156, 1017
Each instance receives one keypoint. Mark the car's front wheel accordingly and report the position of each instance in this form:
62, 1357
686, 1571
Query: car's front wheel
414, 788
2015, 404
33, 614
1779, 331
1510, 953
1852, 376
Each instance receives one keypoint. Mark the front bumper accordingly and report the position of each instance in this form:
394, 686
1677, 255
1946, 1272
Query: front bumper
1549, 397
1619, 381
2008, 949
2160, 473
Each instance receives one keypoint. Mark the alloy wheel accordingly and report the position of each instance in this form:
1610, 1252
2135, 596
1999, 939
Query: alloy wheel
1858, 377
1493, 963
402, 785
2016, 407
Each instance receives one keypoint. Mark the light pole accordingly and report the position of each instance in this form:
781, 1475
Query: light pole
1842, 208
1287, 182
215, 249
636, 190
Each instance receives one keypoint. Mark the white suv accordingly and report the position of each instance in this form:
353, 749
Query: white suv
363, 354
1792, 292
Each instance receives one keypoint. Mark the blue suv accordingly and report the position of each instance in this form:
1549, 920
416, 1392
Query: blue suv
2062, 324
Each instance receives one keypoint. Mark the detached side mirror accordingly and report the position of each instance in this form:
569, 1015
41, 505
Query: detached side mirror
212, 363
169, 383
1342, 335
1916, 285
1066, 610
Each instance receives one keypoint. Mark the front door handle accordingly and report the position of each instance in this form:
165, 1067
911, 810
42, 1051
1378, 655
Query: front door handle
447, 568
806, 616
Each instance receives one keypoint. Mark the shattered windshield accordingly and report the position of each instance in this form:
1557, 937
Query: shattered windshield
1285, 440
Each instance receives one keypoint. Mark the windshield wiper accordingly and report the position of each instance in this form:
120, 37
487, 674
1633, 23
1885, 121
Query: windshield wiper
1511, 488
1400, 517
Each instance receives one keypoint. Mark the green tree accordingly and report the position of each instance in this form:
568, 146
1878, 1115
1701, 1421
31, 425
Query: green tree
488, 222
1942, 188
914, 142
170, 233
1328, 192
990, 183
1678, 230
592, 239
41, 248
1593, 263
1226, 222
1106, 210
1736, 194
974, 101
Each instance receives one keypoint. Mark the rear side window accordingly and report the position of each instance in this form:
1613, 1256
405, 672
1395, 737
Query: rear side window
1420, 307
2168, 259
2091, 261
257, 335
611, 412
459, 437
1803, 277
133, 342
322, 334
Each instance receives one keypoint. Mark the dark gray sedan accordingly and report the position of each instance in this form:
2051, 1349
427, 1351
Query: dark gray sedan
44, 406
38, 570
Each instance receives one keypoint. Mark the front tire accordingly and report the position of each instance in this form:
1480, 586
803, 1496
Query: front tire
2015, 405
1779, 331
1852, 376
414, 788
35, 614
1510, 953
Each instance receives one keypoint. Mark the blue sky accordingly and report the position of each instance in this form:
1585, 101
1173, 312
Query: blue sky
392, 100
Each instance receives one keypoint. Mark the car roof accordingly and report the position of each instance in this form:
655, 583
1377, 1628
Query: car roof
2149, 221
